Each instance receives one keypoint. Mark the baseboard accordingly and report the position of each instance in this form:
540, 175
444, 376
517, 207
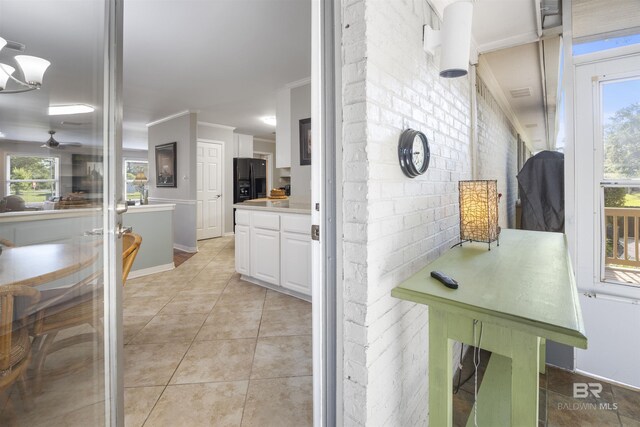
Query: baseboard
151, 270
276, 288
183, 248
231, 233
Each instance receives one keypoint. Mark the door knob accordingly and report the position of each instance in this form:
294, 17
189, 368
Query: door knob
122, 230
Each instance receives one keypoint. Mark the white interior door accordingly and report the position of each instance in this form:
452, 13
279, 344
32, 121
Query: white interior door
606, 90
209, 190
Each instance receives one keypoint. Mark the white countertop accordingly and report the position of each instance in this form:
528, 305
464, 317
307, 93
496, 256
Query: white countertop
151, 208
285, 206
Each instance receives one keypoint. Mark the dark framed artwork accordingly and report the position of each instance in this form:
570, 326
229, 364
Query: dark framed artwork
166, 165
87, 173
305, 142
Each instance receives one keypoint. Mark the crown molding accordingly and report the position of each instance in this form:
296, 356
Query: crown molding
171, 117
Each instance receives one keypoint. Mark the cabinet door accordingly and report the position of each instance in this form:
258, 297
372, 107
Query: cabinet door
242, 250
296, 262
265, 255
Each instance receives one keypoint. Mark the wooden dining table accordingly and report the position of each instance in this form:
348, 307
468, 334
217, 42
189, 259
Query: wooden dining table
36, 265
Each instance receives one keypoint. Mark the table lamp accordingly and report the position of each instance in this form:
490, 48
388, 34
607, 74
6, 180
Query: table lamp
479, 211
140, 181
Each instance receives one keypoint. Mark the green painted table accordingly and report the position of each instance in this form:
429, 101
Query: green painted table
521, 293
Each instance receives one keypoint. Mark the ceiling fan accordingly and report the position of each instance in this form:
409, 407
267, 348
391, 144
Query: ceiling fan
52, 143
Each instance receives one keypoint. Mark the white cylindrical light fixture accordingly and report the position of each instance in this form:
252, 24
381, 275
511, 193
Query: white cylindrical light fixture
33, 68
5, 72
456, 39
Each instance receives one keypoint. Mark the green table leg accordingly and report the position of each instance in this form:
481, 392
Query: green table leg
543, 356
524, 379
440, 370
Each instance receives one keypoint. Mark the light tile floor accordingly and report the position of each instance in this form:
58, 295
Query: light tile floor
202, 348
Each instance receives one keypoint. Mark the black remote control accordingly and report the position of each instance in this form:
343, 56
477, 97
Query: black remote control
444, 279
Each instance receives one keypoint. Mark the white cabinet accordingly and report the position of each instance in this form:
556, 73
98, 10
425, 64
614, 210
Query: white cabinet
275, 249
242, 145
265, 255
243, 246
295, 254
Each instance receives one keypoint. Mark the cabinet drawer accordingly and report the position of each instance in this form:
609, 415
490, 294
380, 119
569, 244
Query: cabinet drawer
296, 223
242, 217
268, 221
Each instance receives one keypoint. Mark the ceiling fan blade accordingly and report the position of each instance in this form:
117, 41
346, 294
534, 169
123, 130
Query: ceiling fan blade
71, 144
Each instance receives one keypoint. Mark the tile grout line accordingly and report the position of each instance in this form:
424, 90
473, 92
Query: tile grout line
244, 405
192, 341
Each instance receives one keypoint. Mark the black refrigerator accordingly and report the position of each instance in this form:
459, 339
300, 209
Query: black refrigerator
249, 179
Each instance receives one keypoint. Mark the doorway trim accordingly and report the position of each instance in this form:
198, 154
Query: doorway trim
326, 104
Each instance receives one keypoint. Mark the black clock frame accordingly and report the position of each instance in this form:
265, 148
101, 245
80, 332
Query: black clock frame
405, 153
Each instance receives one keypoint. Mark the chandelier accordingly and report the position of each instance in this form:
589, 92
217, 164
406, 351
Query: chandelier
32, 68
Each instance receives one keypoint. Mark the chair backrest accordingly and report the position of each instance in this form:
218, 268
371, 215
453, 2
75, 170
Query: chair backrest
130, 246
9, 322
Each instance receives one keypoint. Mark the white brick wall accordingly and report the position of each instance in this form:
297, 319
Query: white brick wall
497, 153
393, 225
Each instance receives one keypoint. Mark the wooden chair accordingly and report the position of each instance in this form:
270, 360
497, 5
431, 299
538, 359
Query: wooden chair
7, 243
130, 246
75, 306
15, 346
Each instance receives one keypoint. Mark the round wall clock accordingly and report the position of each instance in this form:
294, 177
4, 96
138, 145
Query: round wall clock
413, 153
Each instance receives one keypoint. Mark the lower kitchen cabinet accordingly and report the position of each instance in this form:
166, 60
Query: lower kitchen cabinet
243, 245
295, 254
274, 249
265, 255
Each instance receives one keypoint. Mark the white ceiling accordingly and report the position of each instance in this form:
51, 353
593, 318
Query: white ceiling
224, 59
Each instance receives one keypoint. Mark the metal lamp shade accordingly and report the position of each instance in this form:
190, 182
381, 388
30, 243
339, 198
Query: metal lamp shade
479, 210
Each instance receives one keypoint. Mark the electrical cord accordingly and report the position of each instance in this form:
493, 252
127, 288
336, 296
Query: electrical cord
476, 363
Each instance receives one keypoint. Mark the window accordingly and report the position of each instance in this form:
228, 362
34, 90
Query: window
34, 178
620, 115
599, 45
131, 169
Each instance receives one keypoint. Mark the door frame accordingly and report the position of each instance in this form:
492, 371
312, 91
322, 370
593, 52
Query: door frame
326, 113
224, 180
590, 155
112, 220
606, 305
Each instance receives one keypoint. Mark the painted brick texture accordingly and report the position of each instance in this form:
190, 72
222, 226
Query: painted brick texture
497, 153
393, 225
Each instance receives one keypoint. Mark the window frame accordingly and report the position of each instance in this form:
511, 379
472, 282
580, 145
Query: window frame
8, 181
601, 182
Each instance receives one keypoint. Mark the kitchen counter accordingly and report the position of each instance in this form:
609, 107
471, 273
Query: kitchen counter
275, 205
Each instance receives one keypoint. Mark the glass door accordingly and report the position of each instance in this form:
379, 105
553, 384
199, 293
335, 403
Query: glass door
619, 148
60, 253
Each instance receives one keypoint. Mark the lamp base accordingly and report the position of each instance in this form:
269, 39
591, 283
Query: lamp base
497, 240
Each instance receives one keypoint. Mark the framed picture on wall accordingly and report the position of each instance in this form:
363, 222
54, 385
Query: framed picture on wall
305, 142
166, 165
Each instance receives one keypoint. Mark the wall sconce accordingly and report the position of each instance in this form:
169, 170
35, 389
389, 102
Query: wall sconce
454, 39
479, 211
